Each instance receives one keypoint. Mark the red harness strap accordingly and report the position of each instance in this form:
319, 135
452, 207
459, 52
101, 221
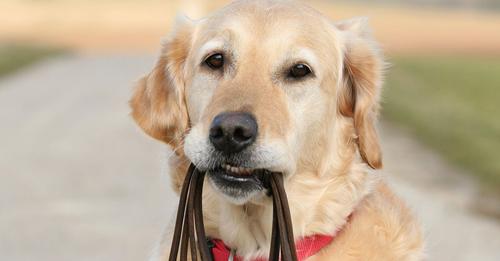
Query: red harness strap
306, 247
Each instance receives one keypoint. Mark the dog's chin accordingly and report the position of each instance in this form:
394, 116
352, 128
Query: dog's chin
238, 186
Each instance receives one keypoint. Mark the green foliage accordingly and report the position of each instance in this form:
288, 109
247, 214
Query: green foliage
16, 56
453, 105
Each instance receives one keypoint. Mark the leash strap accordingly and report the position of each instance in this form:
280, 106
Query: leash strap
189, 231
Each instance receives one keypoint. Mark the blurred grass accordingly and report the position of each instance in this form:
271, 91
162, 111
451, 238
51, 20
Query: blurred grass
453, 105
16, 56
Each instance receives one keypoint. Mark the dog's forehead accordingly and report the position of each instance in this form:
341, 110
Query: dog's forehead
274, 24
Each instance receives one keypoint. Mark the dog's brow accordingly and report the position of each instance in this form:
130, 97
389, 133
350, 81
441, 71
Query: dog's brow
306, 55
210, 46
296, 55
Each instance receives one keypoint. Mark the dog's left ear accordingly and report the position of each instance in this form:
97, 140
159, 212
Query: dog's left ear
358, 95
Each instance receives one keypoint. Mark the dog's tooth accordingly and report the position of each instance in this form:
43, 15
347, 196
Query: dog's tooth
237, 170
243, 170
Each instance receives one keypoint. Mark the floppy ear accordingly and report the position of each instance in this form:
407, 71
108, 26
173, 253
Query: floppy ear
158, 103
358, 97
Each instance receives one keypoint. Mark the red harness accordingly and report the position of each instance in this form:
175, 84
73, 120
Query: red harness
306, 247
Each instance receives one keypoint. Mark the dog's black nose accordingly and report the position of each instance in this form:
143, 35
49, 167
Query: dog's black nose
231, 132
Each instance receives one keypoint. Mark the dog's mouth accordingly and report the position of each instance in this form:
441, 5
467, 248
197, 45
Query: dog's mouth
238, 183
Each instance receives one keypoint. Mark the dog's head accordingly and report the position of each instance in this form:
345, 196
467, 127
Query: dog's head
263, 86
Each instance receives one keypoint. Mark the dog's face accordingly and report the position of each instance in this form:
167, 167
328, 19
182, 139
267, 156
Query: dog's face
253, 88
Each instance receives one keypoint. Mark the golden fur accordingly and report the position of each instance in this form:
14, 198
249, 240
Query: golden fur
319, 132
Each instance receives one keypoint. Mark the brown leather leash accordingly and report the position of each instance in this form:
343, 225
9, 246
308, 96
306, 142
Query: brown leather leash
189, 231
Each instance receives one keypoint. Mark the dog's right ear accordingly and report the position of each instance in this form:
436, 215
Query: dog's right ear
360, 91
158, 103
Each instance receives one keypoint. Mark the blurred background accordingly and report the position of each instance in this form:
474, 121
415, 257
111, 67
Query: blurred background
79, 181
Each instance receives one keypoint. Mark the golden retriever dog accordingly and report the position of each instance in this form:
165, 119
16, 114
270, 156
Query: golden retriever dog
275, 85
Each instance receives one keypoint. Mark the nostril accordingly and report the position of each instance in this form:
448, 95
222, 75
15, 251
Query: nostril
241, 134
216, 132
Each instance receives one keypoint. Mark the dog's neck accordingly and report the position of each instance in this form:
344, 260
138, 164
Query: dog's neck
321, 197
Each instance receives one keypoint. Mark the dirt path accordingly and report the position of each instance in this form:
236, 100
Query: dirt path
445, 199
80, 182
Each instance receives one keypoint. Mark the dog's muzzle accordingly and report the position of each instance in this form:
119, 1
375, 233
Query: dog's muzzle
232, 134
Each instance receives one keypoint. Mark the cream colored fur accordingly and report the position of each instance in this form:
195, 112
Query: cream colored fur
319, 132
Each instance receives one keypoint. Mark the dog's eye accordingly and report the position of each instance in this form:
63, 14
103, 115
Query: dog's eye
215, 61
299, 71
